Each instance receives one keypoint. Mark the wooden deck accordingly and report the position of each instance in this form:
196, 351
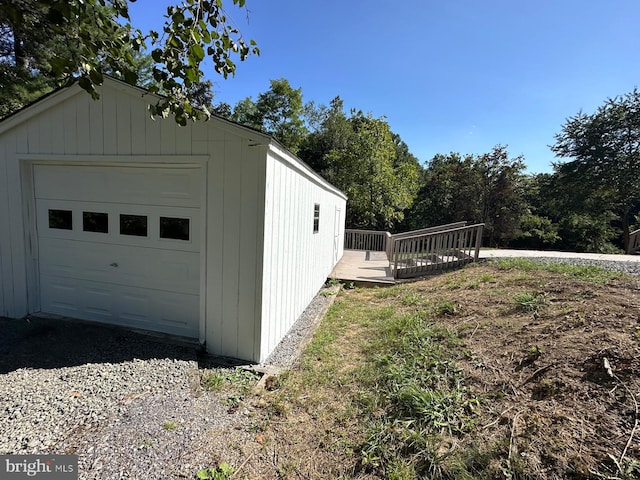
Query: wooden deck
364, 267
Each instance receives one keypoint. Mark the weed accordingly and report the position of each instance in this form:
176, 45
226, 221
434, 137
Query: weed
588, 273
529, 301
487, 278
169, 426
222, 378
523, 264
411, 299
147, 442
455, 282
446, 307
422, 393
224, 471
389, 292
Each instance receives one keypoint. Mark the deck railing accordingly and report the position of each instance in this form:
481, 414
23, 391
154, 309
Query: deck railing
366, 240
422, 231
435, 251
634, 242
421, 252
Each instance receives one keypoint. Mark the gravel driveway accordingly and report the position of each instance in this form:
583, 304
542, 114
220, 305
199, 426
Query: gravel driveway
129, 405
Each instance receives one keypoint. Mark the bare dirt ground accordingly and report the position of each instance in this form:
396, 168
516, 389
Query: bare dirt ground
553, 360
563, 372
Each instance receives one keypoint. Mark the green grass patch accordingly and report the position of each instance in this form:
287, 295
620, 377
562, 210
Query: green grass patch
420, 397
169, 426
219, 379
528, 301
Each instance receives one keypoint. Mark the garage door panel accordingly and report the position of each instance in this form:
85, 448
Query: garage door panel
124, 265
153, 215
172, 313
179, 187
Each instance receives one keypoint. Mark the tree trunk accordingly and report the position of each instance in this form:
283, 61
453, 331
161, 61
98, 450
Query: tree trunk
625, 228
20, 57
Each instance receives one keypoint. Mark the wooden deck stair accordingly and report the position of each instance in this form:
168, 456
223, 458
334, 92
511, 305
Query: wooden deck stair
412, 254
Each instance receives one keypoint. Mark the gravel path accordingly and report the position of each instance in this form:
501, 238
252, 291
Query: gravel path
628, 268
129, 405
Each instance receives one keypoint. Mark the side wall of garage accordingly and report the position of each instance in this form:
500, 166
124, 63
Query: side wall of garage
235, 219
299, 255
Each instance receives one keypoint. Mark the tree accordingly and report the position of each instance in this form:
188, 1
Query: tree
447, 193
101, 35
245, 112
332, 131
500, 195
481, 189
223, 109
359, 156
539, 230
605, 148
278, 111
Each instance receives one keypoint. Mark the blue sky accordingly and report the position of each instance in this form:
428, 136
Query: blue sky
448, 75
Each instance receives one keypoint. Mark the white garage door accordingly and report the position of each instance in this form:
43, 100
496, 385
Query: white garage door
120, 245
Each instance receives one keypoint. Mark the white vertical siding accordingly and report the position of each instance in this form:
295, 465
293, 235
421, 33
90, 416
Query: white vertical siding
6, 275
231, 249
296, 260
18, 274
96, 126
234, 225
215, 253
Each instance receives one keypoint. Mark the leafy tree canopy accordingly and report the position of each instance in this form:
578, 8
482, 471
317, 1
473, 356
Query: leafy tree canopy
98, 37
279, 111
483, 189
360, 155
605, 152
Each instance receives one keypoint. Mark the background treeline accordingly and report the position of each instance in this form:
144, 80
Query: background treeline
589, 203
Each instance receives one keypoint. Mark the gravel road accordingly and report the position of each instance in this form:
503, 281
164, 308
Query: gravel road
129, 405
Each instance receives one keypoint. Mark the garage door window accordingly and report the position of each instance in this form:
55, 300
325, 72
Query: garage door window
176, 228
135, 225
95, 222
61, 219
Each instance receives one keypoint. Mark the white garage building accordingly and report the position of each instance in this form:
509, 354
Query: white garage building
212, 231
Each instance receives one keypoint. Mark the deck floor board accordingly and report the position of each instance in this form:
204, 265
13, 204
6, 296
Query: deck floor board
364, 267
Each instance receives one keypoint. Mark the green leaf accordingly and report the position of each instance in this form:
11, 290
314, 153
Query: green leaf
96, 77
191, 74
85, 83
203, 474
197, 51
131, 77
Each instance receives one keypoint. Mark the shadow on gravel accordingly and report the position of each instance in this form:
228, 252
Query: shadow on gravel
54, 343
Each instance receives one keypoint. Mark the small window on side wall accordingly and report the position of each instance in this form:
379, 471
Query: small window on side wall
61, 219
316, 218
